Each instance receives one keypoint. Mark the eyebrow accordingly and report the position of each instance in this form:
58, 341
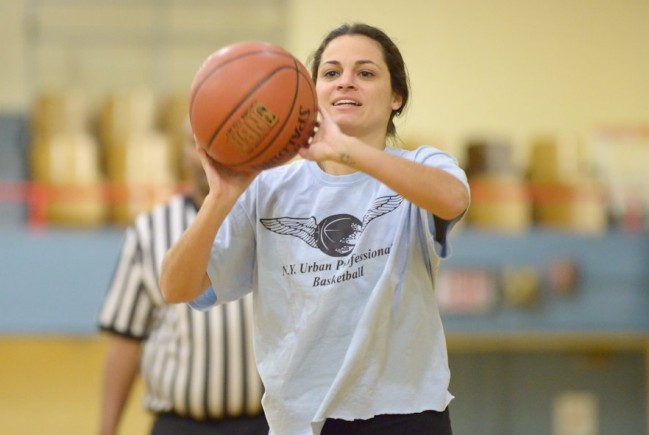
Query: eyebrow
358, 62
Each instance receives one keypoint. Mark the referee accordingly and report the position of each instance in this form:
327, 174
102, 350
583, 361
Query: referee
198, 367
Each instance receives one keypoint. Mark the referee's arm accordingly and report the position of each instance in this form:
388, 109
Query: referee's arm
121, 368
124, 315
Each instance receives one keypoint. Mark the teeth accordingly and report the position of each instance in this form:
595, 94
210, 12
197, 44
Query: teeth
338, 103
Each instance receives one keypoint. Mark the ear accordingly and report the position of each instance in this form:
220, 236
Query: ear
397, 101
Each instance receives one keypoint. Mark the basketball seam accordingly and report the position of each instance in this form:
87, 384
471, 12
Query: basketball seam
215, 69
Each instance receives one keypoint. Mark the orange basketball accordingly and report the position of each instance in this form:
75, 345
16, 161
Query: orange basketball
252, 106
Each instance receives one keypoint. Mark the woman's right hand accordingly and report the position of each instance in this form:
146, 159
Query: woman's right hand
224, 183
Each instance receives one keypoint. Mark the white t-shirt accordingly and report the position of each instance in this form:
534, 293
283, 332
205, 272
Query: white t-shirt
343, 273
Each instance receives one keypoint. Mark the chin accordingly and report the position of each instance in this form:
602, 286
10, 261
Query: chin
348, 128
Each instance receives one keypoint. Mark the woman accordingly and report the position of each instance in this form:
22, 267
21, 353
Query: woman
340, 250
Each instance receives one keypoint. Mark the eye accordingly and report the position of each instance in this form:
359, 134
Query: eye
366, 73
330, 73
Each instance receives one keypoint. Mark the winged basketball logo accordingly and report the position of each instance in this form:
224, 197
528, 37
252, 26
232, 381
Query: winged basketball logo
335, 235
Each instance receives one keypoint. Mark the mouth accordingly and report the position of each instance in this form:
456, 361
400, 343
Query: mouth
346, 102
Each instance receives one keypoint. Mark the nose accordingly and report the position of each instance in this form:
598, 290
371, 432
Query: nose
346, 81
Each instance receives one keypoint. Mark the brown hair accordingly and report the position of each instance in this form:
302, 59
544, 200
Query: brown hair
391, 54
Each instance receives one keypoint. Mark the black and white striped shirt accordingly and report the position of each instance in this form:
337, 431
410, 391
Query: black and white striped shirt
196, 364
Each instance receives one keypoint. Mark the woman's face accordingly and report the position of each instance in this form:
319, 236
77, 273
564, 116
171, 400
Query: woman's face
354, 87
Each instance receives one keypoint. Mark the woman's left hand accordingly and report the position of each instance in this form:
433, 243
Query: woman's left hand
328, 143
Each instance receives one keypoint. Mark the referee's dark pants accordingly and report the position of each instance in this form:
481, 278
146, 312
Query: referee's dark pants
174, 424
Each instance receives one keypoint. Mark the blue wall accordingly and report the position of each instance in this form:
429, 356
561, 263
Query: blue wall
612, 292
53, 281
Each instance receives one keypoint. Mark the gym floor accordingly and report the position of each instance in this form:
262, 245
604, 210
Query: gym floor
52, 386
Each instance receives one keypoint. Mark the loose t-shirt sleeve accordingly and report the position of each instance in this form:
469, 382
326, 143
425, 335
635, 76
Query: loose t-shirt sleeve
127, 306
439, 228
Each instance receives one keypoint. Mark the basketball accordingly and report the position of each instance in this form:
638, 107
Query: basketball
252, 106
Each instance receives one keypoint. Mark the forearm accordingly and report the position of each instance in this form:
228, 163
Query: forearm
183, 276
432, 189
122, 363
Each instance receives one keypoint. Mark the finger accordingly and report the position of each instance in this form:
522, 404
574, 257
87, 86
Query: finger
305, 153
323, 114
200, 151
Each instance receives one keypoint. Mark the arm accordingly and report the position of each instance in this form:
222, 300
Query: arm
183, 276
121, 367
432, 189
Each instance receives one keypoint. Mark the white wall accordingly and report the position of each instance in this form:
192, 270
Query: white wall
509, 67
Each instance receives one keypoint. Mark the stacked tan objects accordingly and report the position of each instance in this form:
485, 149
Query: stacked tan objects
566, 196
65, 163
138, 158
500, 200
174, 121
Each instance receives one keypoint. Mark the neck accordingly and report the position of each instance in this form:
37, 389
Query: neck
335, 168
